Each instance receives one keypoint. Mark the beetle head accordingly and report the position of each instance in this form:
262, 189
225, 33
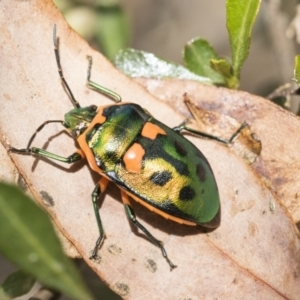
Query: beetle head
78, 119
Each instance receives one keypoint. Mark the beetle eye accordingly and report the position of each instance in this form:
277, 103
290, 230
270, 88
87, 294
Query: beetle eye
75, 133
66, 124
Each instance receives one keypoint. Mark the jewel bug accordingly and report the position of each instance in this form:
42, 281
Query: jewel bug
149, 162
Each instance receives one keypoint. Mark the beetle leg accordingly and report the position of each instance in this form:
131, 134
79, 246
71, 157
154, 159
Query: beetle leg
183, 126
76, 156
131, 216
95, 86
99, 188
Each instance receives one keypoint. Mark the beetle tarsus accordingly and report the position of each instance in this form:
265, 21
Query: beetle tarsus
237, 133
20, 151
97, 246
165, 255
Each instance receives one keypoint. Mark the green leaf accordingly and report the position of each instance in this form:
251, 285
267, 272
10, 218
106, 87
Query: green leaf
137, 63
223, 67
241, 15
17, 284
197, 55
3, 296
297, 69
27, 238
112, 29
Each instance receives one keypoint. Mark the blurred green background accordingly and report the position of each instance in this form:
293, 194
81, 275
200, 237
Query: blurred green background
163, 27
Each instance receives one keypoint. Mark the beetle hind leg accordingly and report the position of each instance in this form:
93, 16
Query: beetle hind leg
183, 126
99, 188
131, 216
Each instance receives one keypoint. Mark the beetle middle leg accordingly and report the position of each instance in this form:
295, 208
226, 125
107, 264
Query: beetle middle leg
131, 216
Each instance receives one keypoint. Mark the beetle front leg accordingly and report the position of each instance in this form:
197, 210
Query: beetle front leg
76, 156
131, 216
97, 87
99, 188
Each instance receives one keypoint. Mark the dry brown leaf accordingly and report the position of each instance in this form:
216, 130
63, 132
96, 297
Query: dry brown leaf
254, 254
238, 136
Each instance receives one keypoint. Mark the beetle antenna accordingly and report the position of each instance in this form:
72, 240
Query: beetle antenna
60, 72
40, 128
28, 149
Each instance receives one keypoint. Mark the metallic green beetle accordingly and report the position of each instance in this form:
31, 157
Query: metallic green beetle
147, 160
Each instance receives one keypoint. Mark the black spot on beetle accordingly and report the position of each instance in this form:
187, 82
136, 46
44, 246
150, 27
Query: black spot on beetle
161, 178
180, 149
157, 149
201, 173
180, 167
187, 193
173, 210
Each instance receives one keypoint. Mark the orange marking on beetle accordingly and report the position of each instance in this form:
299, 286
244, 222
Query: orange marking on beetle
125, 198
103, 183
92, 162
88, 153
133, 158
99, 118
151, 131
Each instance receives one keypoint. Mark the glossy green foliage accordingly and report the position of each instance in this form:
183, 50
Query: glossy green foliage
240, 17
142, 64
197, 55
224, 68
27, 239
201, 58
202, 62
